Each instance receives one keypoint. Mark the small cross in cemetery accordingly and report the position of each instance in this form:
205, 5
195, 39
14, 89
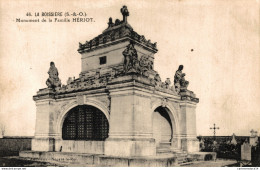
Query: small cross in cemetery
214, 130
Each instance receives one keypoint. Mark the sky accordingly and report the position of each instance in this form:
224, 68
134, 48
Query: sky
223, 68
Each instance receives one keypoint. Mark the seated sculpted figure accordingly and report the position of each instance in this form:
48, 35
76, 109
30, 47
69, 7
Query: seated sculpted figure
158, 80
179, 79
53, 80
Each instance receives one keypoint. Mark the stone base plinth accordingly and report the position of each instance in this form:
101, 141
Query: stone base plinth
43, 144
62, 157
91, 147
154, 161
193, 145
190, 145
100, 160
130, 147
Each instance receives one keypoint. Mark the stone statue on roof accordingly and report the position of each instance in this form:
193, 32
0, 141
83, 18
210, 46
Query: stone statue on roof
179, 79
167, 83
145, 63
53, 80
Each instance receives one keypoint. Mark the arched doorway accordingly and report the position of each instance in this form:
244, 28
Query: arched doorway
162, 126
85, 122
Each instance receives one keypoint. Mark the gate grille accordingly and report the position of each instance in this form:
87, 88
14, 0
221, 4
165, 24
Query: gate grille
85, 123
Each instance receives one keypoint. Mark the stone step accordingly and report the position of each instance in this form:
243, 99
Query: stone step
165, 144
162, 152
178, 150
163, 149
181, 160
182, 156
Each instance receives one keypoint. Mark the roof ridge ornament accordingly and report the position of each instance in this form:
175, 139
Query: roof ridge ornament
125, 13
110, 22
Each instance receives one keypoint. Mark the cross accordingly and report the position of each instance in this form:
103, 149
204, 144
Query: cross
214, 130
125, 13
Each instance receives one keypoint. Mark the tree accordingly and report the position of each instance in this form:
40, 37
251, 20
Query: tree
2, 128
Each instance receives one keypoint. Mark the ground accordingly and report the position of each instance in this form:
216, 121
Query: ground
15, 161
217, 163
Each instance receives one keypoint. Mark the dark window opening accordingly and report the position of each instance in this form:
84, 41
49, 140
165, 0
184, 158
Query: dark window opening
103, 60
85, 123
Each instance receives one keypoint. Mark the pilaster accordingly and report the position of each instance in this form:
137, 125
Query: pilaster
130, 131
188, 131
44, 139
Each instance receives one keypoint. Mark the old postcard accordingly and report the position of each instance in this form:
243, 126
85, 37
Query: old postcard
130, 83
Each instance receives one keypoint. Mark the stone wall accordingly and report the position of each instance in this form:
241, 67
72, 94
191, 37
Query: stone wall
114, 57
12, 146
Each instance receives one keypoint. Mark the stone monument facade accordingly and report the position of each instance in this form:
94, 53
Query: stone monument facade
119, 105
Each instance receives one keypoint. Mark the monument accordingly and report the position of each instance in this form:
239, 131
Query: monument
119, 106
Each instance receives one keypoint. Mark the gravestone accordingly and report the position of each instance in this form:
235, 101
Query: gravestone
233, 141
246, 151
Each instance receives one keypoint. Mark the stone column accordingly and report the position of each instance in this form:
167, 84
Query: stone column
130, 126
188, 129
